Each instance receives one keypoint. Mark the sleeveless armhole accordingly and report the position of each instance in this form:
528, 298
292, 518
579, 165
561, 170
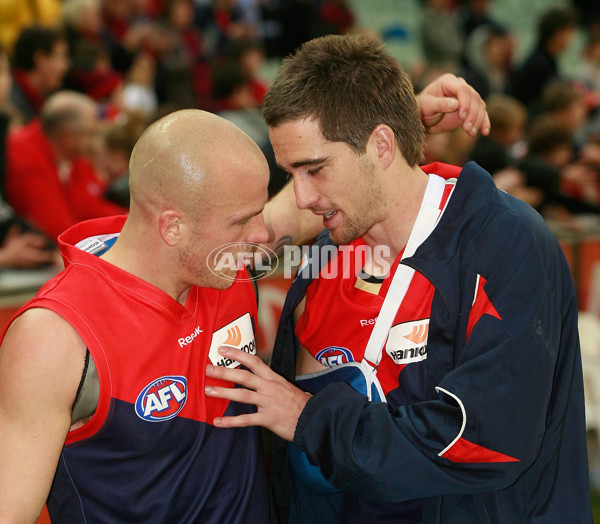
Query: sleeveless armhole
88, 392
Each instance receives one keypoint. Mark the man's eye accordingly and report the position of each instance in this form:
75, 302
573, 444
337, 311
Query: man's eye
315, 170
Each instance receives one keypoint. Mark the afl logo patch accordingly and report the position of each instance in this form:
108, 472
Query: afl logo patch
162, 399
334, 355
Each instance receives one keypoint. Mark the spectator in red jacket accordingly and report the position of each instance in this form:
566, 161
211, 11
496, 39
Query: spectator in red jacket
50, 179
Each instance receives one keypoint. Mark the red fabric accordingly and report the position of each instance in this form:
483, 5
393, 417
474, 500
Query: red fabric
338, 17
467, 452
259, 90
481, 306
36, 192
35, 98
99, 84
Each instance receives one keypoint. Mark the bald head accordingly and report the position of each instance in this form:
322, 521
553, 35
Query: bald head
188, 159
67, 109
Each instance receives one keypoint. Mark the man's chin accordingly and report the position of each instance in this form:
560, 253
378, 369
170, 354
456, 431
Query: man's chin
343, 237
220, 282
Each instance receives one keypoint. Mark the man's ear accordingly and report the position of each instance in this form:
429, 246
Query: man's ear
382, 144
171, 227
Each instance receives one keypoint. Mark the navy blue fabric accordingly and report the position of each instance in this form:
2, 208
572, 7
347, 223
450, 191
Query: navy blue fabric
518, 379
138, 495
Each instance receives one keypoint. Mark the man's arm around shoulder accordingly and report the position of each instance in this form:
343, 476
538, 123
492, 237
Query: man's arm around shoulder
41, 362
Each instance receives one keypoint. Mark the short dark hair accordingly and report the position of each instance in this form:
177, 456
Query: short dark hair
505, 111
560, 95
547, 133
227, 76
350, 85
31, 40
553, 21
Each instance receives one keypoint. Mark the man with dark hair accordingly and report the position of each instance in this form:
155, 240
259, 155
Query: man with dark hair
40, 61
555, 31
102, 374
435, 347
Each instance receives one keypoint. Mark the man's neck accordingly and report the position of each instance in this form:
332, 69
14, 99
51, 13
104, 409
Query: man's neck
131, 256
405, 198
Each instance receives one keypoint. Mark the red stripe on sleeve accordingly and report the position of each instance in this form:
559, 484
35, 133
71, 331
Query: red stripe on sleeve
481, 306
465, 451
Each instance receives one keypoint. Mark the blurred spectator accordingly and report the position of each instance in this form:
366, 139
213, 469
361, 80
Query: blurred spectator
448, 147
231, 24
40, 61
549, 166
589, 11
118, 139
181, 16
50, 179
488, 59
566, 102
20, 245
589, 65
91, 69
555, 31
589, 159
336, 17
495, 152
138, 94
508, 119
251, 55
441, 37
235, 102
125, 32
182, 69
292, 23
474, 14
15, 15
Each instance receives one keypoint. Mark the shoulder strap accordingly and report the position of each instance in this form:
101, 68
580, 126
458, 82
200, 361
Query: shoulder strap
427, 218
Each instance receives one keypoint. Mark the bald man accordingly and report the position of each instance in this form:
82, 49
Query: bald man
102, 375
126, 336
50, 179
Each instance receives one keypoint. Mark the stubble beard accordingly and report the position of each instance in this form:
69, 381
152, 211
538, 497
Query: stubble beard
365, 215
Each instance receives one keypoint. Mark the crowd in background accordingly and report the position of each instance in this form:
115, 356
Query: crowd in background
81, 79
544, 145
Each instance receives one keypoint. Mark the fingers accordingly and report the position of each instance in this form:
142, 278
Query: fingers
435, 107
241, 395
252, 362
237, 376
472, 109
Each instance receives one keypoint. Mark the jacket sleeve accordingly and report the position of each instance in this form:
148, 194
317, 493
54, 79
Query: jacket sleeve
484, 422
35, 192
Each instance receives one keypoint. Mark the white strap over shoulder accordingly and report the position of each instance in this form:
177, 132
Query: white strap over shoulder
427, 218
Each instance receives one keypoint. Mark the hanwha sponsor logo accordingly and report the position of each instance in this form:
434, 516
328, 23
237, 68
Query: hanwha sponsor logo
226, 260
334, 356
407, 342
239, 334
162, 399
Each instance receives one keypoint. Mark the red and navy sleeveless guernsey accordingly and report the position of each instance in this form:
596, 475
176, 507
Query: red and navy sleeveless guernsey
340, 314
150, 452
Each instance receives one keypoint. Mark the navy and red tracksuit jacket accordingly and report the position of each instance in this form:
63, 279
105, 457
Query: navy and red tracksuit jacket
500, 435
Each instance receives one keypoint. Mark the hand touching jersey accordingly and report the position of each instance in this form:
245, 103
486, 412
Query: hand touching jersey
278, 402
